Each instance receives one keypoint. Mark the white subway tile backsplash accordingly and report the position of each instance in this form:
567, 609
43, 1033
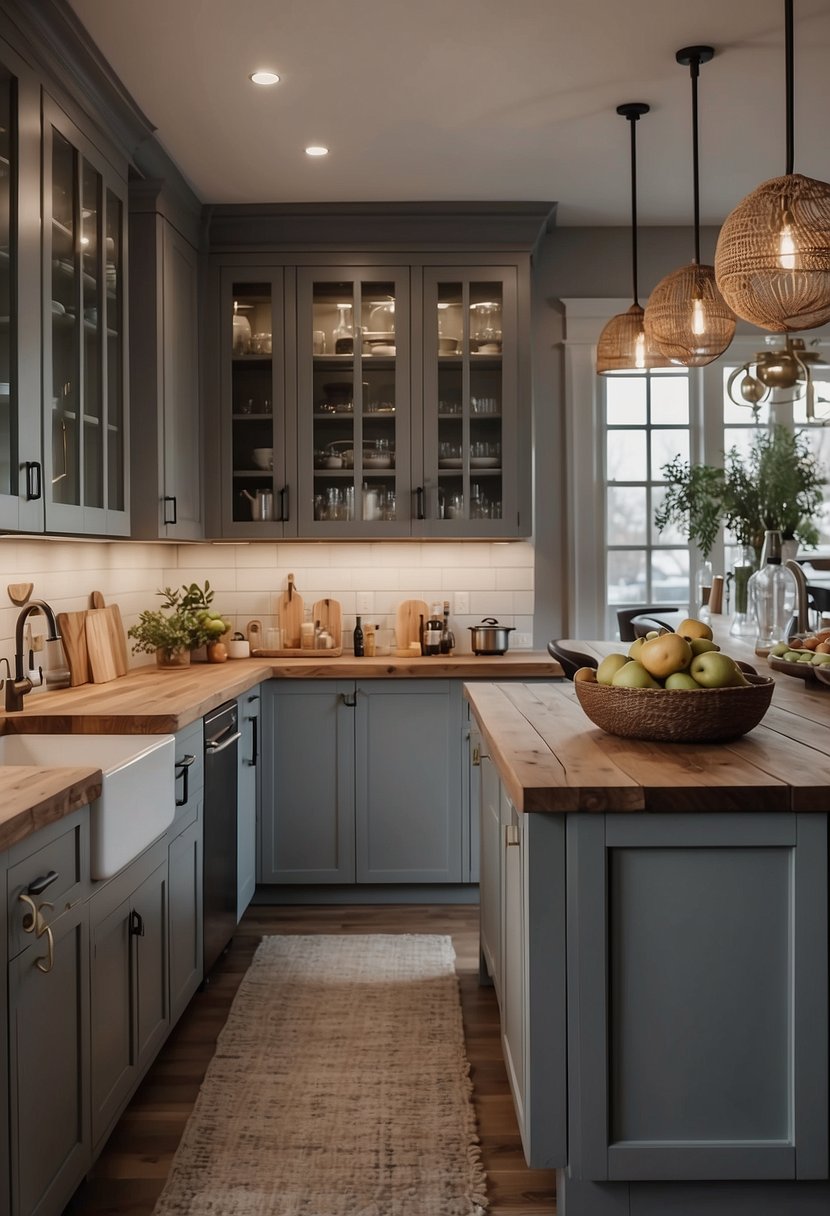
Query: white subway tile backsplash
247, 577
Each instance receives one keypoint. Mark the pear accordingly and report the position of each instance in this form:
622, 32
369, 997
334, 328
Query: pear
633, 675
610, 665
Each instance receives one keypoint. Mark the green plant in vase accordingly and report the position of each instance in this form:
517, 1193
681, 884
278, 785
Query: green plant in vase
184, 622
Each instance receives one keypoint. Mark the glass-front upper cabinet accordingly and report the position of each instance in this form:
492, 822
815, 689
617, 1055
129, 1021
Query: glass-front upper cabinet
470, 394
84, 372
256, 467
353, 385
21, 469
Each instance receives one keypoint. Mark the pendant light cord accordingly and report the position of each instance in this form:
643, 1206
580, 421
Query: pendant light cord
788, 42
632, 118
694, 68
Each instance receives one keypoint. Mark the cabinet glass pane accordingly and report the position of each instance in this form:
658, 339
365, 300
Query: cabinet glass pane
353, 405
8, 342
66, 434
470, 390
93, 439
252, 435
114, 322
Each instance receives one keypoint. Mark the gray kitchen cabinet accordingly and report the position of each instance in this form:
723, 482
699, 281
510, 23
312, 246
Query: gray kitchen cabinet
403, 409
129, 982
408, 781
21, 457
185, 878
361, 782
471, 797
166, 438
84, 367
307, 824
697, 992
5, 1170
49, 1015
523, 946
248, 707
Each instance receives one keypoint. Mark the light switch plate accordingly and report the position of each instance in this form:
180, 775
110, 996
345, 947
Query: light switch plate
524, 641
364, 602
461, 603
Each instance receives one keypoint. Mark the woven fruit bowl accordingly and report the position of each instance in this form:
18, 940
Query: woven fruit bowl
708, 715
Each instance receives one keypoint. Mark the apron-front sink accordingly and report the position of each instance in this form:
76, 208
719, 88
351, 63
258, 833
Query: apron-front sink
137, 800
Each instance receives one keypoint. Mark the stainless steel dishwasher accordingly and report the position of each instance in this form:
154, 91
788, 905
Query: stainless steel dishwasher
219, 850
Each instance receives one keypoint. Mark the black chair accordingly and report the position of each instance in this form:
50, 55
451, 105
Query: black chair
570, 660
625, 617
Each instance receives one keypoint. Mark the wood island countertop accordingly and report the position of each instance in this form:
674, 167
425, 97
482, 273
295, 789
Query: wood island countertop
551, 757
31, 798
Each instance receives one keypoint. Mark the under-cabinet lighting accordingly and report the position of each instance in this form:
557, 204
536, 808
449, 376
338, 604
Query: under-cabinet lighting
316, 150
263, 76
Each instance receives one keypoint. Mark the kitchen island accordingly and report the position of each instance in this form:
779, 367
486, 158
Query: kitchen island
655, 919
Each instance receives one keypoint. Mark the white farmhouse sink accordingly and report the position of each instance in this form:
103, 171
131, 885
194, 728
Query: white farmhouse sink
137, 801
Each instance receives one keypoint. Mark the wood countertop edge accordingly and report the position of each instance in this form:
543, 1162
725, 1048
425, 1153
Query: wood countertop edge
772, 769
33, 797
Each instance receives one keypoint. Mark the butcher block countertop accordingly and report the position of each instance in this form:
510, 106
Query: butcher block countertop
149, 700
551, 757
31, 798
153, 701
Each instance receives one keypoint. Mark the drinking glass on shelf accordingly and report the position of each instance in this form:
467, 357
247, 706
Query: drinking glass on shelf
319, 342
455, 506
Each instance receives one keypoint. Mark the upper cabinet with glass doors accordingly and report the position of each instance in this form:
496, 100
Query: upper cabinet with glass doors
353, 404
470, 402
21, 466
257, 469
84, 347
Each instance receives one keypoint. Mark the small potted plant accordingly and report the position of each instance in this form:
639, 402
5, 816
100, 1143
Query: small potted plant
183, 623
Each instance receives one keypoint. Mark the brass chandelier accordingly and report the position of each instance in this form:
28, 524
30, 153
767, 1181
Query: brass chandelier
786, 367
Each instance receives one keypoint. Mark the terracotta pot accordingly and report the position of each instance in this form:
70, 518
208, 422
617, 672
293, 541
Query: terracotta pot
217, 652
175, 658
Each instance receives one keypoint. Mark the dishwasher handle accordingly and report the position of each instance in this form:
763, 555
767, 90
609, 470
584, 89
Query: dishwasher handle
213, 746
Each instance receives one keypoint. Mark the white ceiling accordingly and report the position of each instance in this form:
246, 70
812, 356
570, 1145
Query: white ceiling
472, 99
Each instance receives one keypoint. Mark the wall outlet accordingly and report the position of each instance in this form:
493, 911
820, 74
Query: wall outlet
461, 603
524, 641
364, 602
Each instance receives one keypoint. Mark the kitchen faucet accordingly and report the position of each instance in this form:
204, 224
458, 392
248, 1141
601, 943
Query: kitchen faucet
17, 688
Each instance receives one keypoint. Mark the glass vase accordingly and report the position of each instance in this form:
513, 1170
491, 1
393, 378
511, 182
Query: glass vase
771, 596
743, 621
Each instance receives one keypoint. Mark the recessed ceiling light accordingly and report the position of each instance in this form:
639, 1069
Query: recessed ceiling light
264, 77
316, 150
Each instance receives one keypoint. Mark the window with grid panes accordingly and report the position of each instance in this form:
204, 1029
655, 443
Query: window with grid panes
647, 424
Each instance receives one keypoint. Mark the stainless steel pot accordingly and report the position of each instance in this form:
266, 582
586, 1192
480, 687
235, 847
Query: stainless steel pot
490, 637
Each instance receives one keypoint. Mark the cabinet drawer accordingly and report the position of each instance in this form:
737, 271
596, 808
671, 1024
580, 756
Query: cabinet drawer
63, 850
190, 775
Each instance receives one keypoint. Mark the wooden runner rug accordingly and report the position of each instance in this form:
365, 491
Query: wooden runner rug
339, 1087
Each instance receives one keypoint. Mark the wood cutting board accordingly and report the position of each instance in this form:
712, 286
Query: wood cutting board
408, 622
118, 632
103, 665
290, 609
328, 612
72, 628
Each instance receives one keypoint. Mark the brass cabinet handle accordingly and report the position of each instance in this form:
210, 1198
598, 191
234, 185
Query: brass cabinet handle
46, 964
476, 756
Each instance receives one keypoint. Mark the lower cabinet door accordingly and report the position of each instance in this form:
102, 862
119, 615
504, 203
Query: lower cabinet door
408, 781
247, 793
148, 928
113, 1060
490, 876
185, 917
307, 782
48, 1052
514, 944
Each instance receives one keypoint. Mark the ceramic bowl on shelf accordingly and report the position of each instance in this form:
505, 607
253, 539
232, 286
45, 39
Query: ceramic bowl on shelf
263, 458
448, 346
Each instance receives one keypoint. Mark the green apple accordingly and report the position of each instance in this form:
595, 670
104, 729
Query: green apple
701, 645
713, 669
633, 675
792, 656
610, 665
780, 650
682, 680
820, 659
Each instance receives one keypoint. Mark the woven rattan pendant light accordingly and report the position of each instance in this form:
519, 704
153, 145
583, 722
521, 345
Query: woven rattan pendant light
773, 256
622, 345
687, 318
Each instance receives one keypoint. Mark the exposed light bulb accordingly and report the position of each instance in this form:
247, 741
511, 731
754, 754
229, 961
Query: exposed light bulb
640, 350
698, 317
786, 244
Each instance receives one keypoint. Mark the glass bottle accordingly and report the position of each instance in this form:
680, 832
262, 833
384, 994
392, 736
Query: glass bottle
343, 334
358, 639
703, 589
433, 630
743, 621
771, 595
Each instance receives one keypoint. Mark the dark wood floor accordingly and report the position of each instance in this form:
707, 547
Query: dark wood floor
130, 1173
